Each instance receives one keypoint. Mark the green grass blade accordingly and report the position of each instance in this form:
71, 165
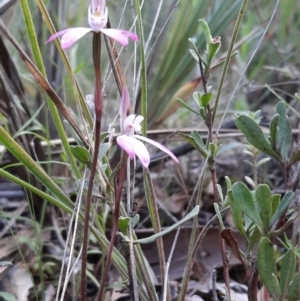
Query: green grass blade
40, 65
67, 207
19, 153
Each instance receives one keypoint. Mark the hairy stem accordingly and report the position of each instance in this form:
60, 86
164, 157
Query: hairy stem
154, 215
211, 163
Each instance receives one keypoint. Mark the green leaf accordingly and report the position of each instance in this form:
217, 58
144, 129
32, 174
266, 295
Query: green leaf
287, 271
195, 52
294, 292
197, 98
263, 198
275, 199
262, 161
266, 265
243, 198
195, 49
123, 224
203, 113
213, 49
255, 236
255, 135
228, 182
273, 130
193, 143
135, 219
220, 193
283, 206
197, 138
183, 104
194, 55
190, 140
104, 147
104, 135
152, 238
206, 31
218, 213
214, 148
237, 213
205, 99
80, 153
284, 134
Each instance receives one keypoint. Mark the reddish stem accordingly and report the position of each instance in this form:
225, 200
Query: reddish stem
98, 113
121, 180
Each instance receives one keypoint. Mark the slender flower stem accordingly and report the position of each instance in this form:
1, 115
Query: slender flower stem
98, 113
121, 180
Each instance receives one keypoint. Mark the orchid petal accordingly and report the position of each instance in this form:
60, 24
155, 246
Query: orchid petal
102, 4
128, 128
121, 36
141, 152
158, 145
132, 146
70, 36
97, 19
129, 120
125, 103
138, 120
125, 143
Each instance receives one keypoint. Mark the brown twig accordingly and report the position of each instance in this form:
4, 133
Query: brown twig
114, 61
252, 283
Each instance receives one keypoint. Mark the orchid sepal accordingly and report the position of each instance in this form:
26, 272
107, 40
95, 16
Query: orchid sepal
129, 141
97, 17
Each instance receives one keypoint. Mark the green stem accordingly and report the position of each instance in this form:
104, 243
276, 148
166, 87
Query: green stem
154, 215
143, 70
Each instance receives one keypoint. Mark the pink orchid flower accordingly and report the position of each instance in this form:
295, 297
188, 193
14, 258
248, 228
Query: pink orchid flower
97, 17
129, 141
